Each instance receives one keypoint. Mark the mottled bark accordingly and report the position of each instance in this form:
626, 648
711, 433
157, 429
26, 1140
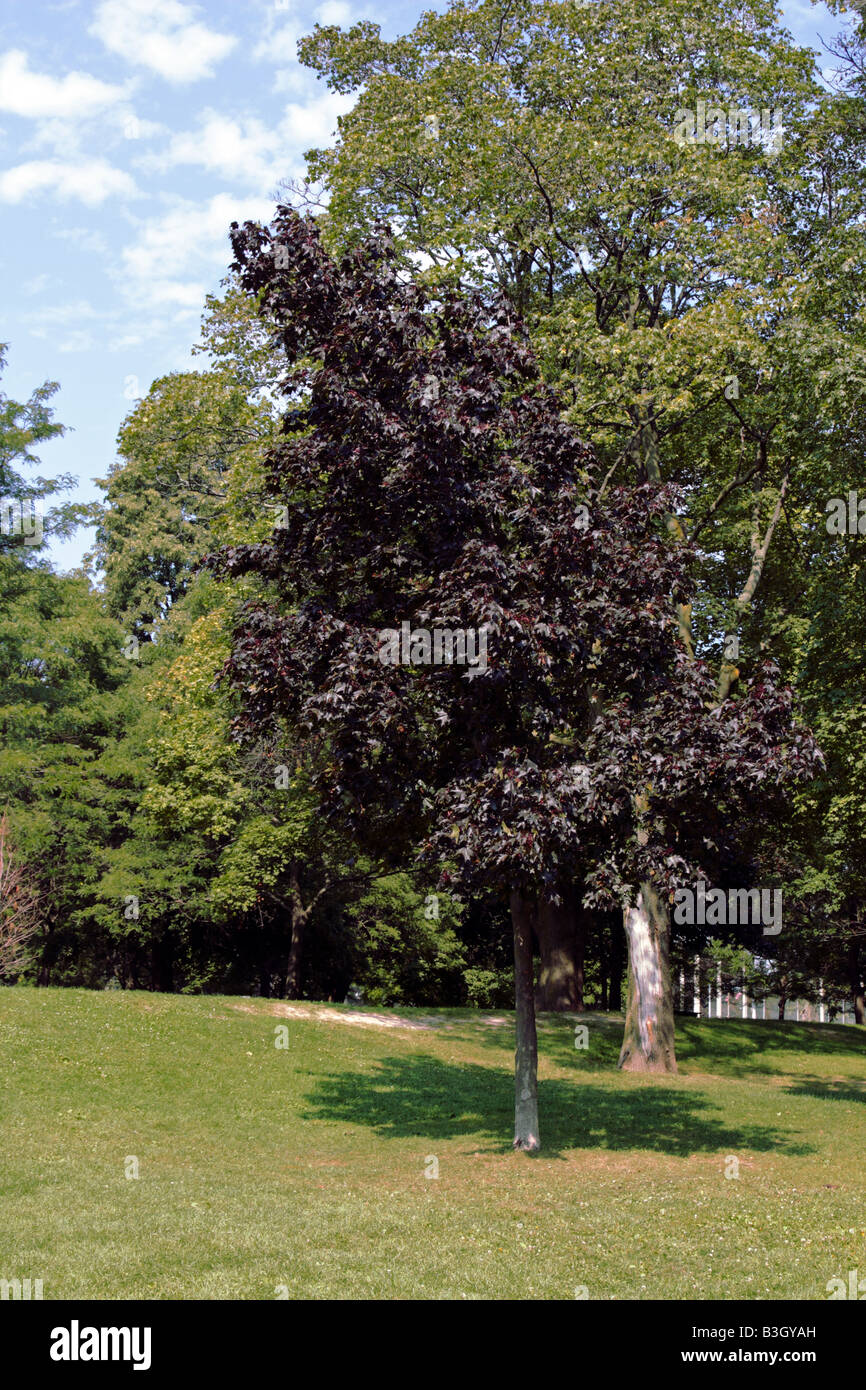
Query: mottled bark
526, 1134
648, 1042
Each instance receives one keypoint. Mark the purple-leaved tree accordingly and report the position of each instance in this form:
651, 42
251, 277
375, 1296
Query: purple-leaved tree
438, 506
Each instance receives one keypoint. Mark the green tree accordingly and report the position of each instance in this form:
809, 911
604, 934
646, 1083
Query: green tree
167, 494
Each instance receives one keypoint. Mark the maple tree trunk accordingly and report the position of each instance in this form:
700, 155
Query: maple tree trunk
561, 937
293, 970
648, 1042
526, 1052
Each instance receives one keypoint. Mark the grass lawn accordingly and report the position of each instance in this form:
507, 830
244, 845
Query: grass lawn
304, 1167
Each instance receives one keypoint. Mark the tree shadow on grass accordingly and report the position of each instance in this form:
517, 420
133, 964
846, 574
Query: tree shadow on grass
556, 1039
825, 1088
727, 1047
425, 1097
738, 1047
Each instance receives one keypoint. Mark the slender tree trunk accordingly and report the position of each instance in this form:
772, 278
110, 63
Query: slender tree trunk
561, 935
526, 1054
648, 1043
293, 969
783, 999
298, 915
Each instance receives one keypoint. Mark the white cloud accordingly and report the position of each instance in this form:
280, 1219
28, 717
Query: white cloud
244, 150
91, 181
61, 323
124, 341
31, 94
178, 254
292, 81
36, 285
53, 315
312, 123
79, 341
84, 238
248, 152
334, 12
162, 35
280, 45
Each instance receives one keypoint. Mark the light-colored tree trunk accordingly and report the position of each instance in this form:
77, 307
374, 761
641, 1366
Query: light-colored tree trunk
648, 1042
526, 1135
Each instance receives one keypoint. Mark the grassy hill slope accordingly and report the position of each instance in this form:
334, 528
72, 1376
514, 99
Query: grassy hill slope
266, 1170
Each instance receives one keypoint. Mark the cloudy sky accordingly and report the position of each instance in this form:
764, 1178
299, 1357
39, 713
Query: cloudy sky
132, 132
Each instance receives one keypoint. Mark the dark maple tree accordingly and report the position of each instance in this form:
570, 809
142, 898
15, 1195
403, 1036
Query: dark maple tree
428, 478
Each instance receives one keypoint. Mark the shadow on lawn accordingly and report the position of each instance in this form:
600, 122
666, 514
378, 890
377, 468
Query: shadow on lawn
728, 1047
556, 1038
423, 1096
739, 1047
825, 1088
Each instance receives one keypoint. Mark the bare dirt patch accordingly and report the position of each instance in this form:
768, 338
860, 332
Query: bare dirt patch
320, 1014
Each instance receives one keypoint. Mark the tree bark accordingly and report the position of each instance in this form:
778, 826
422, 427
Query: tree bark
561, 935
526, 1134
648, 1042
783, 999
298, 916
293, 969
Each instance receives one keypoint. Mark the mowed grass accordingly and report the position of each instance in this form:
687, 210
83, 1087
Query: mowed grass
302, 1170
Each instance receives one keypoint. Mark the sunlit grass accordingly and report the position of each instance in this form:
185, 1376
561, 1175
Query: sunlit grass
263, 1169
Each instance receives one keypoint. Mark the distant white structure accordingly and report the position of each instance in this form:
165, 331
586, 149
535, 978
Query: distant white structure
712, 1000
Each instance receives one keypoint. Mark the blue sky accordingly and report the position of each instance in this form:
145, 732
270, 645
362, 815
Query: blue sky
132, 132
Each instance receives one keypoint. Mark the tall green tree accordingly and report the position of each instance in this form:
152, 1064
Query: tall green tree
167, 493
